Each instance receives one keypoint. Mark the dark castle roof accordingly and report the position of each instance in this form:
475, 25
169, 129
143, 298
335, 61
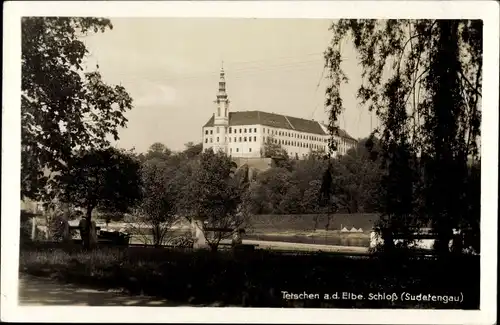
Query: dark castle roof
275, 120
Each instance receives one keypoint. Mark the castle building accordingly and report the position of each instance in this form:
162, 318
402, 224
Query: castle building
244, 134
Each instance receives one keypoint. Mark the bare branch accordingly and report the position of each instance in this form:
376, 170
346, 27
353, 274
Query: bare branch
474, 89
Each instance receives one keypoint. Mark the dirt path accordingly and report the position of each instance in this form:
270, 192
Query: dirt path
35, 291
276, 245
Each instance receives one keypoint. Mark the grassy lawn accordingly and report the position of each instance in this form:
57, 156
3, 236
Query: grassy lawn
258, 278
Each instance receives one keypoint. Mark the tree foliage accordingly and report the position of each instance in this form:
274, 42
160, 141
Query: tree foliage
423, 78
215, 197
160, 195
192, 150
106, 179
64, 107
273, 149
349, 183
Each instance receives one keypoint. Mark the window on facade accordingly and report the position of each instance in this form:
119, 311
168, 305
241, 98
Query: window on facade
211, 140
206, 140
229, 130
218, 130
245, 130
234, 139
250, 139
249, 149
249, 130
240, 130
229, 139
211, 131
255, 130
240, 139
255, 139
237, 149
231, 150
206, 131
217, 139
245, 139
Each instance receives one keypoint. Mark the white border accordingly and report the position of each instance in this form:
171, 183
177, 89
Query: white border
486, 10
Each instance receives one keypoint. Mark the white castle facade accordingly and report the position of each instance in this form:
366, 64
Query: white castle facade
244, 133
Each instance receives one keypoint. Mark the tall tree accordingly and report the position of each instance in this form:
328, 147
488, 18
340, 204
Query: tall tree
160, 194
105, 179
193, 150
215, 197
64, 107
428, 105
157, 151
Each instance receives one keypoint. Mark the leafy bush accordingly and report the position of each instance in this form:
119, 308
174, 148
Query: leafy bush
56, 226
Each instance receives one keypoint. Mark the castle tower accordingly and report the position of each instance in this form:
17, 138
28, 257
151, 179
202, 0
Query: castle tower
221, 117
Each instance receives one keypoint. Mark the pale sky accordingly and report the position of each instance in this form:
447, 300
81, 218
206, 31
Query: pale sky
170, 67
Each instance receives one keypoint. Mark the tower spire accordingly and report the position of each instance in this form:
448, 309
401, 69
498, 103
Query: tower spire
221, 116
222, 95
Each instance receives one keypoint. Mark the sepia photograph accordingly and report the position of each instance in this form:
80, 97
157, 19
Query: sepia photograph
238, 162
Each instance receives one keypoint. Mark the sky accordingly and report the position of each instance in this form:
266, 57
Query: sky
170, 67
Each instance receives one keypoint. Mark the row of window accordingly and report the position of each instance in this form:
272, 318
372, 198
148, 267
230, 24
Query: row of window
232, 130
243, 130
295, 135
272, 140
238, 150
245, 139
295, 143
